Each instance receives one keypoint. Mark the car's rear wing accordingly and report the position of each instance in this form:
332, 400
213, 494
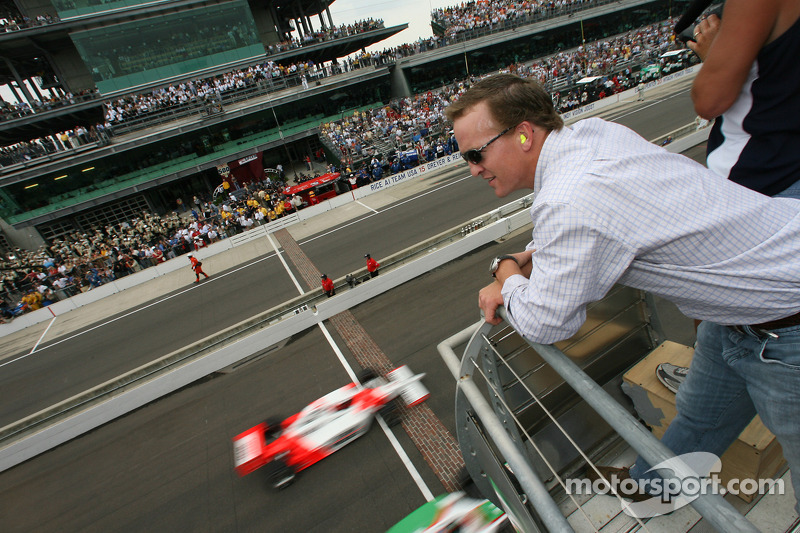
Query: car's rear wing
248, 449
412, 391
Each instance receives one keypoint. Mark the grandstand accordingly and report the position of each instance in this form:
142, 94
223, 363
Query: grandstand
53, 182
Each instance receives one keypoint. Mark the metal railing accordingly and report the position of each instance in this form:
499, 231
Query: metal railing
511, 411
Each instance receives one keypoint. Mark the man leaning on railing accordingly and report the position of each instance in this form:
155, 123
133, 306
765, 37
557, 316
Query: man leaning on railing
611, 207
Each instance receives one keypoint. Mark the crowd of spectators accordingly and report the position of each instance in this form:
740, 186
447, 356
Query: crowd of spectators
79, 262
595, 58
142, 106
201, 91
388, 133
456, 19
608, 59
389, 138
10, 110
600, 58
469, 16
326, 34
98, 135
15, 21
270, 69
137, 106
407, 123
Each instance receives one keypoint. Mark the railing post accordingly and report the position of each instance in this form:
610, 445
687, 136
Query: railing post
546, 508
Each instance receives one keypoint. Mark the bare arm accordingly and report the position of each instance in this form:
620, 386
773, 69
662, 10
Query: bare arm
728, 50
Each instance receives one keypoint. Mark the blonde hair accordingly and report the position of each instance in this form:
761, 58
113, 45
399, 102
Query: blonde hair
511, 100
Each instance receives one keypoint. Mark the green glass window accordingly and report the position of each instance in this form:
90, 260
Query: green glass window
217, 143
144, 51
77, 8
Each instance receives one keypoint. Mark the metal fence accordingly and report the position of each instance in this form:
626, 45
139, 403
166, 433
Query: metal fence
527, 414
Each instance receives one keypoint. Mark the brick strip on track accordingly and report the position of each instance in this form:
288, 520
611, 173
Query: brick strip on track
436, 444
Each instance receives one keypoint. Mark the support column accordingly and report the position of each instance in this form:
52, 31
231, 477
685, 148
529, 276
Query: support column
28, 237
57, 142
21, 83
16, 94
280, 22
400, 86
330, 18
36, 90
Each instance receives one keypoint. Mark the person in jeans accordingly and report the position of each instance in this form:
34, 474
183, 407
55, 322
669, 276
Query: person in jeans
749, 83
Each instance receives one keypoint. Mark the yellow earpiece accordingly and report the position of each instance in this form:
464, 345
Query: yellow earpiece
522, 138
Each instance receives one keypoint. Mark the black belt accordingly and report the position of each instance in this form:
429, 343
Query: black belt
765, 328
786, 322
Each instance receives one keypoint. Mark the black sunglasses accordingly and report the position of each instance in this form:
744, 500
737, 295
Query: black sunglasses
475, 156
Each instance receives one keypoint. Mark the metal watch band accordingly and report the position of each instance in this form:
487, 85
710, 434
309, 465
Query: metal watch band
499, 259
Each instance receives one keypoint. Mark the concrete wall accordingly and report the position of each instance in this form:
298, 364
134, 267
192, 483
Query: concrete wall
27, 238
71, 70
265, 24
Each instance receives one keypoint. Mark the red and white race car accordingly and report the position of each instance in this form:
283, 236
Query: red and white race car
325, 425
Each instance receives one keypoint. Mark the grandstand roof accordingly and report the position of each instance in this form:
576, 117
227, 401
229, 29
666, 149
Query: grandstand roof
28, 49
48, 122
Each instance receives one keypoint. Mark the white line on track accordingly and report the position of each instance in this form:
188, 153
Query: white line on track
285, 266
43, 334
426, 492
398, 448
359, 202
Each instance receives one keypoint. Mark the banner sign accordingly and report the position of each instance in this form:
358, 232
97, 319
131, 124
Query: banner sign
224, 170
416, 172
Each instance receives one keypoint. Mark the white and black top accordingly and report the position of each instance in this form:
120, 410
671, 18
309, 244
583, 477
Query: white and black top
757, 141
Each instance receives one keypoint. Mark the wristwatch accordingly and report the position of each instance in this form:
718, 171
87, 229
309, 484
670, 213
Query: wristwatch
499, 259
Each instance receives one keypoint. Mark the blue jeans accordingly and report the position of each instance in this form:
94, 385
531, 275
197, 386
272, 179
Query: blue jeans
793, 191
733, 376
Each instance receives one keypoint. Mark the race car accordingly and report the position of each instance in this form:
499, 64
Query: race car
453, 512
325, 425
